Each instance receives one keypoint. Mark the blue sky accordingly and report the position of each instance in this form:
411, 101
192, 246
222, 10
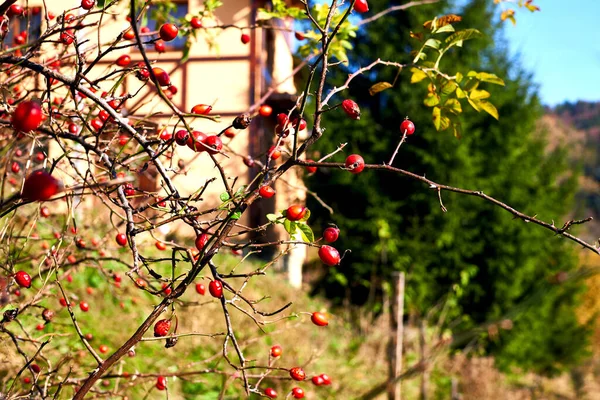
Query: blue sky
561, 45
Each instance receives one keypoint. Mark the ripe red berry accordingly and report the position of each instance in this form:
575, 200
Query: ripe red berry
407, 127
295, 212
162, 77
27, 116
195, 140
271, 393
317, 380
265, 110
361, 6
181, 137
319, 319
160, 245
40, 186
351, 108
85, 307
103, 349
297, 374
299, 35
311, 169
245, 38
326, 379
200, 288
355, 163
88, 4
276, 351
124, 60
159, 46
23, 279
165, 135
15, 167
121, 239
300, 126
161, 383
97, 124
274, 152
196, 23
298, 393
201, 109
45, 212
201, 241
266, 191
15, 10
230, 132
329, 255
213, 143
162, 327
331, 234
168, 32
215, 288
35, 368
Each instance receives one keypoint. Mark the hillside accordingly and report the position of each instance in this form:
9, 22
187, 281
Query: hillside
579, 125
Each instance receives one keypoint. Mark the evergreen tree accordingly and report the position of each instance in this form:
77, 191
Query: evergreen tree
476, 257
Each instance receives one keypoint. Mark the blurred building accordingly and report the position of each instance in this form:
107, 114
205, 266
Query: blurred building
220, 71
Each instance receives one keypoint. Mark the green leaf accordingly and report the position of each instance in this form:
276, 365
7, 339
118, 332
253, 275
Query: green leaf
417, 75
453, 105
445, 28
432, 99
306, 216
290, 226
240, 191
306, 233
460, 36
490, 78
224, 196
489, 108
471, 84
433, 43
236, 215
379, 87
272, 217
448, 88
341, 278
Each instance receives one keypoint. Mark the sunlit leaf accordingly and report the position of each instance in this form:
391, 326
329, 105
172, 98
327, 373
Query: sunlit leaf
417, 75
432, 99
489, 108
479, 94
436, 116
379, 87
448, 88
433, 43
453, 105
306, 233
460, 36
490, 78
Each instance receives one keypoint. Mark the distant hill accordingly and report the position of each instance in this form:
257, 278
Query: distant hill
578, 125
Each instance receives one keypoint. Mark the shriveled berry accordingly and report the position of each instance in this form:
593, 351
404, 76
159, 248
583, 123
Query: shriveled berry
162, 327
351, 108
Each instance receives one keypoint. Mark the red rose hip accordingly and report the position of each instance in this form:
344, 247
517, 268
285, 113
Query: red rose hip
355, 163
23, 279
295, 212
329, 255
407, 127
216, 289
319, 319
162, 327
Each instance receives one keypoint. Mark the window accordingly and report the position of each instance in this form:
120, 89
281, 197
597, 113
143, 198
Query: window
167, 11
17, 26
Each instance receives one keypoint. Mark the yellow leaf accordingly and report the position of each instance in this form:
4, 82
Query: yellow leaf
379, 87
417, 75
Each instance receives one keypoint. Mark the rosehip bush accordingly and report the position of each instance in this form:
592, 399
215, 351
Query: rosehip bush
94, 177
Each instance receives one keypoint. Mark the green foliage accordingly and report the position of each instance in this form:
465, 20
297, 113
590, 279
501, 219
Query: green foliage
476, 259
